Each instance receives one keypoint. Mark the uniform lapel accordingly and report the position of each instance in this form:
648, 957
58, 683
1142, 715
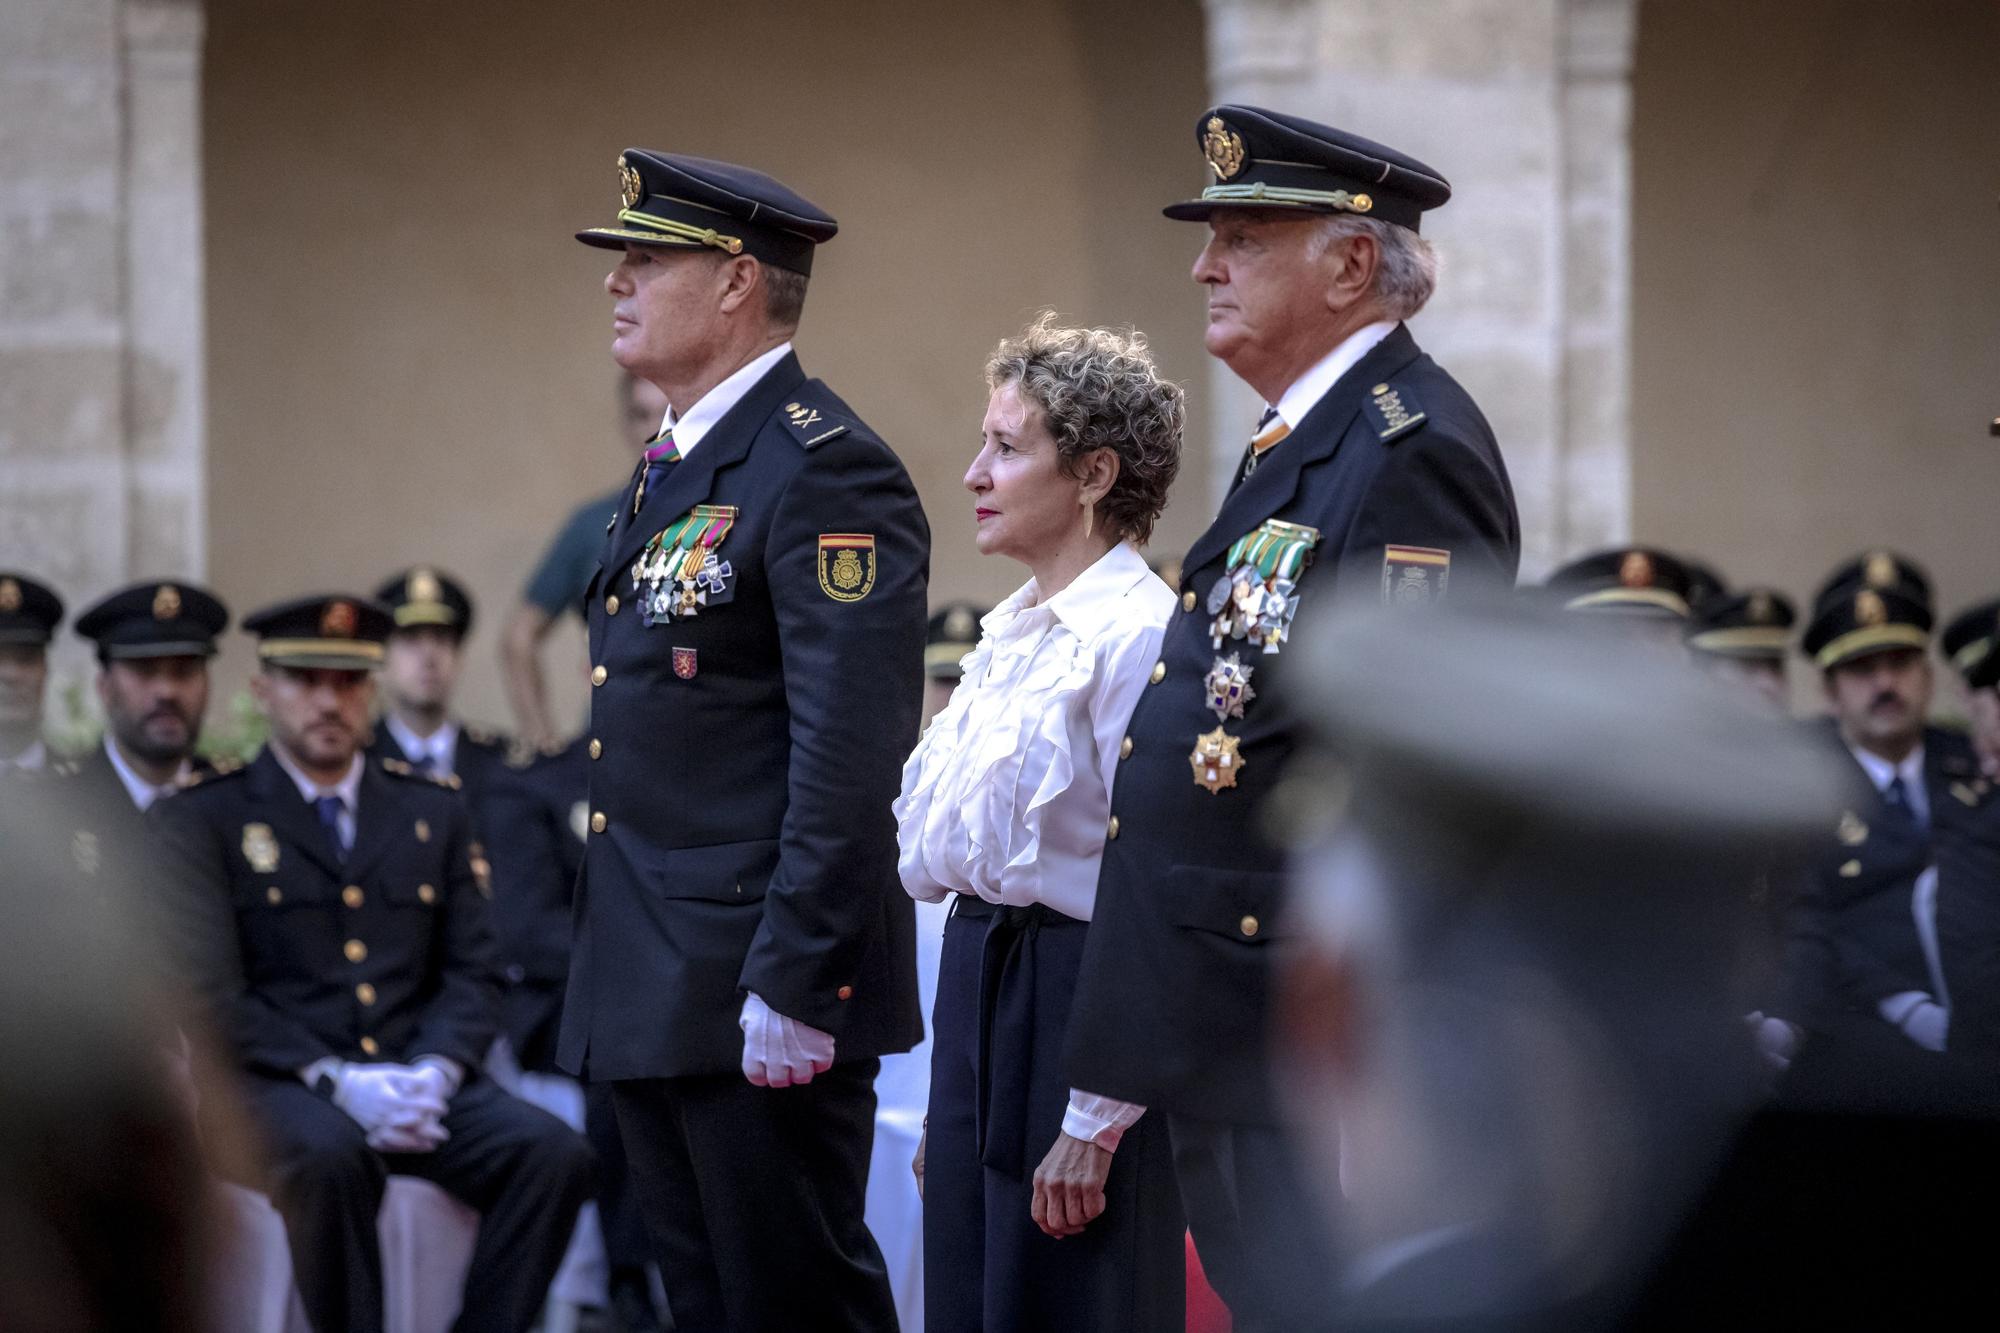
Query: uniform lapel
385, 745
1271, 487
276, 798
688, 483
377, 823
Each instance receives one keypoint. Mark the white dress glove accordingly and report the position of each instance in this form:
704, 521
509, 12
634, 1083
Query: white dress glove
780, 1051
401, 1108
1919, 1017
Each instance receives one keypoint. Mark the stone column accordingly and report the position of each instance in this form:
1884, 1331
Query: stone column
1523, 105
101, 459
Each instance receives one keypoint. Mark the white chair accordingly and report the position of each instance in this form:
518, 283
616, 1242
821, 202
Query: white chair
427, 1239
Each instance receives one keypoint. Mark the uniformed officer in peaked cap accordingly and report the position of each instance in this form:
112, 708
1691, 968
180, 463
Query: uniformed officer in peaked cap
1746, 637
332, 917
153, 643
744, 949
1971, 643
1638, 590
421, 665
952, 633
1878, 569
1372, 477
29, 614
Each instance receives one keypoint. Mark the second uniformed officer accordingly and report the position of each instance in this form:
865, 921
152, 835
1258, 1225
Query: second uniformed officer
420, 671
744, 951
329, 913
1373, 477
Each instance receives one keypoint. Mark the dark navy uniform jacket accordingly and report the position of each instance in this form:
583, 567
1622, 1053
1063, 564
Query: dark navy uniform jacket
475, 760
535, 818
295, 954
748, 756
1171, 1006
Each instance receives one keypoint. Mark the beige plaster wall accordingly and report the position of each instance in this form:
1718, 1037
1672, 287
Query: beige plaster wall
408, 354
1816, 306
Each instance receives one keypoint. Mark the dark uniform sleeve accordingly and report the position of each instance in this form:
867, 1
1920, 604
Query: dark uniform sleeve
1436, 491
853, 670
463, 1017
192, 890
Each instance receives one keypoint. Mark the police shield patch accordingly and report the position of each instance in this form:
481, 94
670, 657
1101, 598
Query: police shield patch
1414, 575
846, 565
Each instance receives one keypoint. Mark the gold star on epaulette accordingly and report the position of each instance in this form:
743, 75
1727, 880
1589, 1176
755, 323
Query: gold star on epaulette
400, 767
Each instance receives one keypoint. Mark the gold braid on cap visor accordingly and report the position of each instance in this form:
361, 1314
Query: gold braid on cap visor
1261, 193
682, 232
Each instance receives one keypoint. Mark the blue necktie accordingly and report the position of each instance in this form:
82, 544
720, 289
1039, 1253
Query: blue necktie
1897, 797
426, 763
330, 809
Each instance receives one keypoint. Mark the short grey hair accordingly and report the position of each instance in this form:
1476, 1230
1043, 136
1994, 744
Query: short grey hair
784, 295
1407, 272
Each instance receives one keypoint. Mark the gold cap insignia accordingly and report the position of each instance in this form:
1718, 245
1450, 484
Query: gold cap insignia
337, 621
1224, 148
10, 595
1636, 570
166, 602
260, 848
1868, 608
959, 624
423, 586
1880, 571
630, 188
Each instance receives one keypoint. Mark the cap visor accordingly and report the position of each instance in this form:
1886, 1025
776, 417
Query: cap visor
132, 652
617, 238
1200, 210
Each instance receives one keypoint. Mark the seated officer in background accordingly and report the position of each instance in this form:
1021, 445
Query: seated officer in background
153, 645
953, 632
1633, 588
29, 614
1743, 637
1971, 643
1968, 858
1510, 1030
421, 666
331, 919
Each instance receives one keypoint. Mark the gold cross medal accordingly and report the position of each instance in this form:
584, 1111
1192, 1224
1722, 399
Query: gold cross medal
1216, 760
1258, 596
676, 572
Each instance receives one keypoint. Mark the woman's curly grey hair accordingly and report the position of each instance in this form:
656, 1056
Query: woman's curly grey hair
1099, 389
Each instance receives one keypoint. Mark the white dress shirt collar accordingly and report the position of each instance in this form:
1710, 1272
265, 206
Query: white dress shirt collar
142, 792
1091, 601
348, 789
441, 745
1306, 391
690, 426
1881, 773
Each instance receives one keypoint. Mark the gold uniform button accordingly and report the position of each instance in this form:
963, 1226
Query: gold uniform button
274, 895
611, 605
596, 748
1248, 925
1187, 601
1850, 870
1159, 672
365, 993
426, 894
355, 950
1125, 748
1111, 829
597, 822
845, 992
369, 1047
597, 675
353, 896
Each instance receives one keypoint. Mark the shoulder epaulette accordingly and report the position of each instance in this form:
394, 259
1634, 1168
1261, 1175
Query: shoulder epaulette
1393, 411
813, 426
402, 768
218, 770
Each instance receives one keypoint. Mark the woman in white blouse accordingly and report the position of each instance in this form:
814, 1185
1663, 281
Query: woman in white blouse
1044, 1206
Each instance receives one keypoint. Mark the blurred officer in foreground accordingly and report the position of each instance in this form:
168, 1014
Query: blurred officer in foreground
555, 588
1372, 477
420, 670
29, 614
1744, 638
1511, 1028
153, 645
745, 953
334, 927
953, 632
1636, 589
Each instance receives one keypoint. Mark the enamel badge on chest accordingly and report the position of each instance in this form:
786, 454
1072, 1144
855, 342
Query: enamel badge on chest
1228, 686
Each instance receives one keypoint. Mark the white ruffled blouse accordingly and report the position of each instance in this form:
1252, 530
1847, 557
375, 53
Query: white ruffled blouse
1008, 792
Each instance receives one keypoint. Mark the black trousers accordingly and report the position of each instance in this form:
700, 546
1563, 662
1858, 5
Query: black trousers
524, 1170
754, 1198
1261, 1234
626, 1251
1006, 983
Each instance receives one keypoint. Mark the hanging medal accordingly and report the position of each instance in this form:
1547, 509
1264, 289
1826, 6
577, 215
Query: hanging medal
678, 570
1256, 598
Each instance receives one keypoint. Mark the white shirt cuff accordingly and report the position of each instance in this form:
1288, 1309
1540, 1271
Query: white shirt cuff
1898, 1007
1099, 1120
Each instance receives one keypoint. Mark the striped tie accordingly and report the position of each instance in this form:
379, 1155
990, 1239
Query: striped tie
1271, 429
662, 454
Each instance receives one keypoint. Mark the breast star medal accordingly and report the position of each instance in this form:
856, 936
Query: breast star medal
1228, 686
1216, 760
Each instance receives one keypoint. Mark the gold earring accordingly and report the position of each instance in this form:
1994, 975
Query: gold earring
1089, 517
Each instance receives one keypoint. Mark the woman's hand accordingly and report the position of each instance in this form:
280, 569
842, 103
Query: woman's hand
1069, 1186
917, 1162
